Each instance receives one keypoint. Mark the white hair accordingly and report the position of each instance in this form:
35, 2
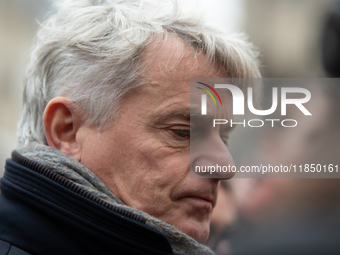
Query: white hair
91, 52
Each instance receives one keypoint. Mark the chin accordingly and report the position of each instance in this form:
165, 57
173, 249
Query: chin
197, 230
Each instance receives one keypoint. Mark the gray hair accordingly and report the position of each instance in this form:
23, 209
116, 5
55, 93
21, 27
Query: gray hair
91, 52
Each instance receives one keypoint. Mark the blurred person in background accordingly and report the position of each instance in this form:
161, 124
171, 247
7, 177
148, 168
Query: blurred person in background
103, 161
331, 43
224, 216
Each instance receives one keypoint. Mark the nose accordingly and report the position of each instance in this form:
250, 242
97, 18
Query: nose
211, 159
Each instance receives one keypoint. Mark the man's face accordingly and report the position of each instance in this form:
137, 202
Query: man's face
144, 158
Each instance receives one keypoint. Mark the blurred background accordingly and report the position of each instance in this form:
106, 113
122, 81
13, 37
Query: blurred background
19, 21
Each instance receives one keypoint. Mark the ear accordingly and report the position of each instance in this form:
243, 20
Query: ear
61, 124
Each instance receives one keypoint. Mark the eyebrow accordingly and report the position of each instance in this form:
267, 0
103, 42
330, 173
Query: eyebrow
183, 114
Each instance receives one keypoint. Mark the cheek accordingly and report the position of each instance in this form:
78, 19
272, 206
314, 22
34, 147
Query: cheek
139, 170
96, 153
151, 176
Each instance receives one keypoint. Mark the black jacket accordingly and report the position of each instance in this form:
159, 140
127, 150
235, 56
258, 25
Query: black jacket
41, 212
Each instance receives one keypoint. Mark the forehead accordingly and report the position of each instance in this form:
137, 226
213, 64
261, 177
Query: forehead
173, 60
170, 64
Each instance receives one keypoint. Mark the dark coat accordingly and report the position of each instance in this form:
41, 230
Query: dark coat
41, 212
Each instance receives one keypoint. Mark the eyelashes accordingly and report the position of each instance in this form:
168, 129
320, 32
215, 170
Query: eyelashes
182, 134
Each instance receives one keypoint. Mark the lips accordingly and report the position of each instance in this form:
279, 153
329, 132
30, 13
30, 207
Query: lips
210, 201
209, 195
200, 189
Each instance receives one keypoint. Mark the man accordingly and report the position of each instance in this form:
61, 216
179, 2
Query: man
103, 159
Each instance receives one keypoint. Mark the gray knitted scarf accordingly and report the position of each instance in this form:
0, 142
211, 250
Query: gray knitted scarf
82, 177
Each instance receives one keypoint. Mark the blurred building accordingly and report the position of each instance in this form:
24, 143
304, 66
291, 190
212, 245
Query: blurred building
288, 34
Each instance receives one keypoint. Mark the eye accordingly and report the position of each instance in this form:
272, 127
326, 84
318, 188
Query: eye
182, 133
